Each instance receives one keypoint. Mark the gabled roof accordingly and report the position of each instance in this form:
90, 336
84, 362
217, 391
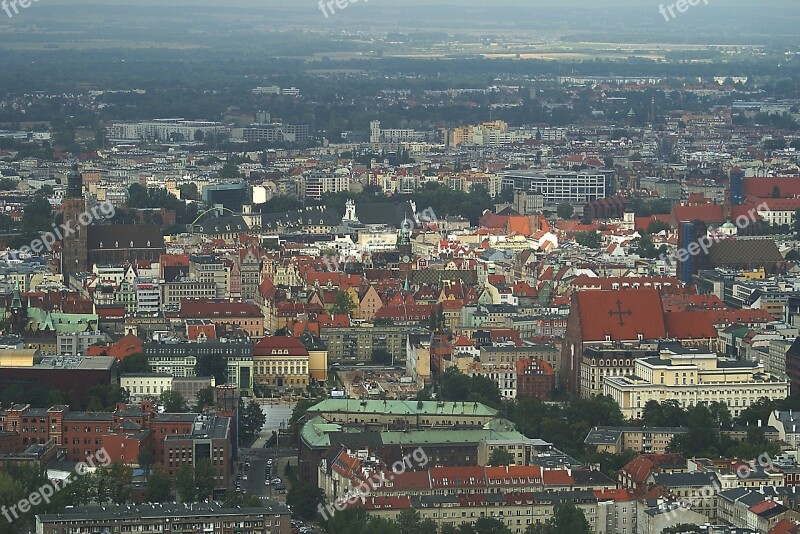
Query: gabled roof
620, 315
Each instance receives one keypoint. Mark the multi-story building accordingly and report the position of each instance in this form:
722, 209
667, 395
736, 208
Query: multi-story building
517, 511
280, 362
170, 438
269, 518
175, 292
535, 378
180, 359
398, 418
691, 377
250, 269
143, 386
70, 374
148, 297
176, 130
313, 184
271, 133
243, 316
209, 439
560, 186
210, 269
357, 343
76, 343
647, 440
601, 361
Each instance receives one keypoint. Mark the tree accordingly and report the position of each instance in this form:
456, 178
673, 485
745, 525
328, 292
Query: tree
304, 500
212, 365
135, 363
458, 387
343, 305
683, 528
189, 191
501, 457
490, 525
184, 484
381, 356
145, 459
568, 519
158, 483
204, 479
410, 522
173, 402
251, 420
121, 481
565, 210
657, 226
205, 399
589, 239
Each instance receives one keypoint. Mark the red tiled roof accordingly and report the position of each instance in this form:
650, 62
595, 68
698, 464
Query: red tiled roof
763, 187
785, 526
709, 213
690, 325
266, 345
557, 477
621, 315
205, 308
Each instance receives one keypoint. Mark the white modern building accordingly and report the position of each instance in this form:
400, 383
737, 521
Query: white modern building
164, 130
558, 186
691, 377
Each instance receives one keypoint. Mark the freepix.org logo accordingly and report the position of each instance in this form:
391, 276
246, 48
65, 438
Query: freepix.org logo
99, 212
417, 457
337, 263
12, 7
44, 493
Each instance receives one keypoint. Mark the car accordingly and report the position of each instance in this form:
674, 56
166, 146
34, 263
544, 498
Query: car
280, 487
276, 481
244, 477
267, 482
270, 461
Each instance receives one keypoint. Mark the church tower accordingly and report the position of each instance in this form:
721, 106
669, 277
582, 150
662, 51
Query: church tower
74, 246
404, 241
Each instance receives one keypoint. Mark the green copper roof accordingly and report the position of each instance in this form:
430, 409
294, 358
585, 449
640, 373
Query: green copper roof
410, 407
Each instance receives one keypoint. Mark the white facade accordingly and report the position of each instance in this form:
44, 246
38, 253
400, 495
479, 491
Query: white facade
143, 386
163, 129
691, 378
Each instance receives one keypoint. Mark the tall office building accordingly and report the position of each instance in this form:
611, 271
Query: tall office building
736, 186
690, 232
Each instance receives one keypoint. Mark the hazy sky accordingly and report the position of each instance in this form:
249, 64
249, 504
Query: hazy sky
304, 4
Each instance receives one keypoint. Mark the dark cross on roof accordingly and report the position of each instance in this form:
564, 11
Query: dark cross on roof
620, 313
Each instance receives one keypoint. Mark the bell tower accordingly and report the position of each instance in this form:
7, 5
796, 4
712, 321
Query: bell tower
74, 246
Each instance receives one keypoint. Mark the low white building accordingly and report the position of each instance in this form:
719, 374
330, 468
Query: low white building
691, 377
142, 386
